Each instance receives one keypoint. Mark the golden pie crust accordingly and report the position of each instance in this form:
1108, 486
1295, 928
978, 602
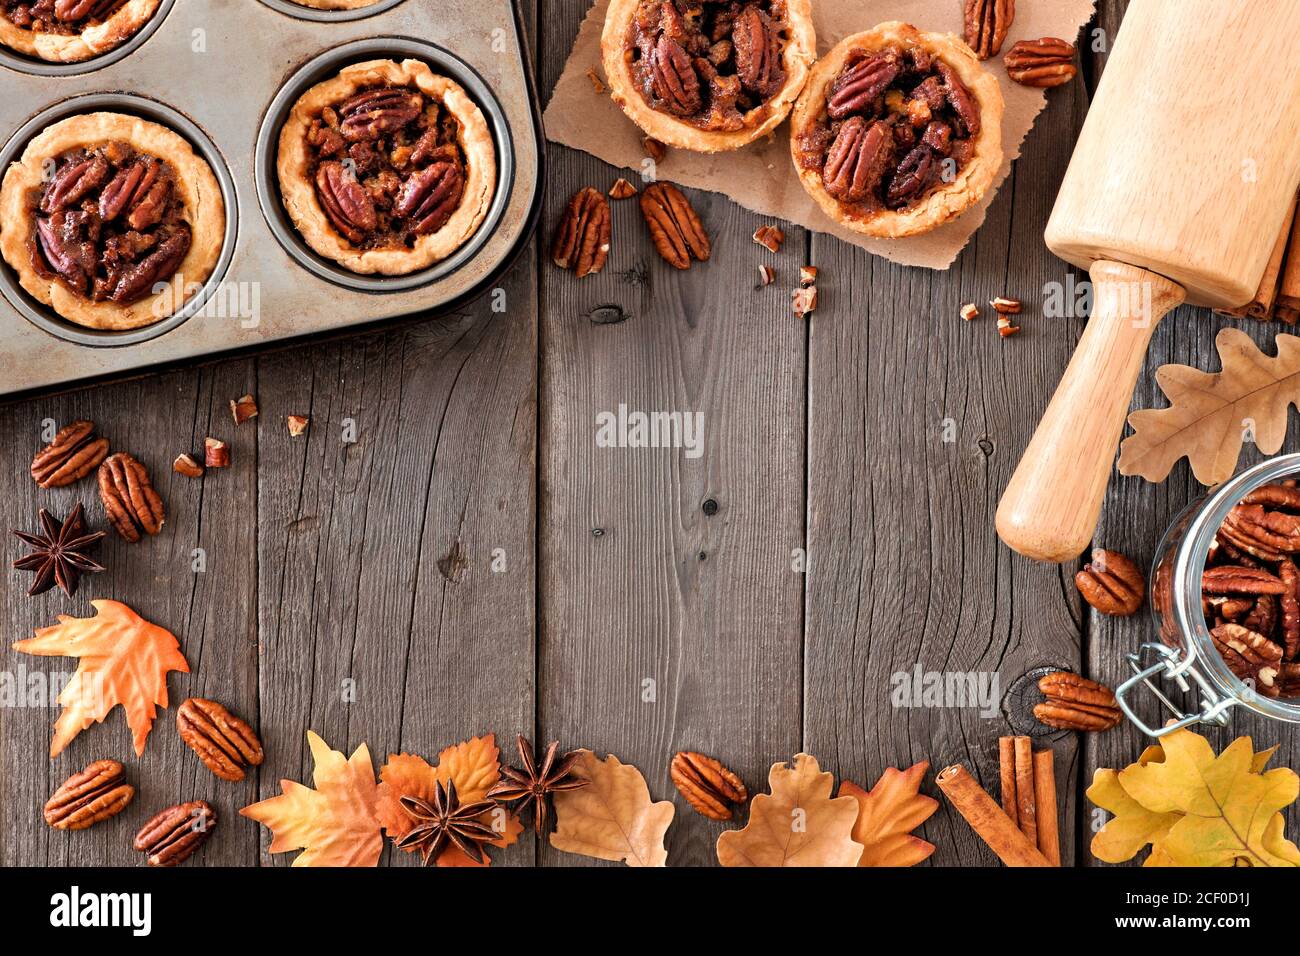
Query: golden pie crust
298, 191
205, 212
943, 203
799, 53
125, 22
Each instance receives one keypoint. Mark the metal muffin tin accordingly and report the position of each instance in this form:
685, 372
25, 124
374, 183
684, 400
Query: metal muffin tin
224, 74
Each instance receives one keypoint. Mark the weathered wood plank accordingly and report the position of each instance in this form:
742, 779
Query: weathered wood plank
916, 420
644, 593
382, 619
210, 611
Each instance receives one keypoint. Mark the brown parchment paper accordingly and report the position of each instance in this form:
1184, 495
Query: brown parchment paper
761, 176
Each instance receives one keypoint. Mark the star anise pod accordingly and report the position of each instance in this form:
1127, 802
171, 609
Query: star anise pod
444, 820
533, 783
59, 555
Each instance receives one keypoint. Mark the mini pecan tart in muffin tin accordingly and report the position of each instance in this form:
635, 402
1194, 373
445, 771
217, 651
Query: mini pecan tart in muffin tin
897, 131
387, 167
67, 31
111, 220
707, 75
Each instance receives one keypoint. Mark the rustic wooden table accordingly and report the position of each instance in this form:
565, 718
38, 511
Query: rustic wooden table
643, 601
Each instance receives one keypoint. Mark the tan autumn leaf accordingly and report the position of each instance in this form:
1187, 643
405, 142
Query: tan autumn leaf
797, 824
1210, 413
474, 765
123, 660
887, 815
613, 817
335, 824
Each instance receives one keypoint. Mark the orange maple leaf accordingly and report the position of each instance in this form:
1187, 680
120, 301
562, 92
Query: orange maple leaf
474, 765
888, 814
335, 824
124, 660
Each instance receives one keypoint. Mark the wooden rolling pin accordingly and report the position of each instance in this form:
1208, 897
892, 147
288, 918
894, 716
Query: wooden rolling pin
1176, 192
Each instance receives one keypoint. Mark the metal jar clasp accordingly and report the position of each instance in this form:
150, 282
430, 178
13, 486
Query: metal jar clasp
1168, 663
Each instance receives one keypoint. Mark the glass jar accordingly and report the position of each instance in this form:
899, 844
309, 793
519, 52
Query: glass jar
1185, 653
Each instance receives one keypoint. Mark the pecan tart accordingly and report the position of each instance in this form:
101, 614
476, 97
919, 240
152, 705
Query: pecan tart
897, 131
707, 75
67, 31
387, 167
125, 227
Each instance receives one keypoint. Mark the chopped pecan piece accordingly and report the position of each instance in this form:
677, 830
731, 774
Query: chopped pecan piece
74, 453
675, 228
224, 742
769, 237
1111, 583
173, 835
803, 300
216, 453
1005, 327
1043, 63
986, 23
86, 798
1005, 305
707, 785
654, 149
133, 506
969, 311
597, 84
622, 189
581, 240
766, 274
297, 424
807, 275
243, 408
187, 466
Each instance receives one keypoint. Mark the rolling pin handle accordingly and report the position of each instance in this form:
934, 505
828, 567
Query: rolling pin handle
1050, 508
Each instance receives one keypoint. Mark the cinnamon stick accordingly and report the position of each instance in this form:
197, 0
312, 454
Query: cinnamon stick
987, 819
1261, 306
1049, 838
1027, 813
1287, 307
1007, 766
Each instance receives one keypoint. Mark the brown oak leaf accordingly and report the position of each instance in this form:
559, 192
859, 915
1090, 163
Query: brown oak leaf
797, 824
474, 765
123, 660
335, 824
887, 815
613, 817
1211, 413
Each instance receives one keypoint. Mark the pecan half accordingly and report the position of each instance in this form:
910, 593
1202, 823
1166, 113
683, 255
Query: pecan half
430, 196
1228, 579
96, 793
224, 742
857, 159
758, 51
129, 498
674, 82
859, 85
73, 181
1249, 655
1111, 583
1076, 703
986, 23
913, 176
1286, 497
706, 784
74, 453
1043, 63
960, 99
1290, 601
172, 835
581, 240
368, 114
72, 11
676, 230
345, 201
159, 266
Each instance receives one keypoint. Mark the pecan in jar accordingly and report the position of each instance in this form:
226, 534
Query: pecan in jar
89, 797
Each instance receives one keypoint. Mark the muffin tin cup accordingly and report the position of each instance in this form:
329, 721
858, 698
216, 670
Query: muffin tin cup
327, 65
38, 67
301, 12
42, 315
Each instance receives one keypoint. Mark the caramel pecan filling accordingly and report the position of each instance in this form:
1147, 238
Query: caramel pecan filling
708, 63
109, 223
898, 123
67, 17
387, 166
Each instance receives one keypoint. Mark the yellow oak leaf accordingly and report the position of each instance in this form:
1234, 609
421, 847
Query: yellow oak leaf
123, 660
797, 824
1206, 409
1197, 809
335, 824
473, 765
887, 815
613, 817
